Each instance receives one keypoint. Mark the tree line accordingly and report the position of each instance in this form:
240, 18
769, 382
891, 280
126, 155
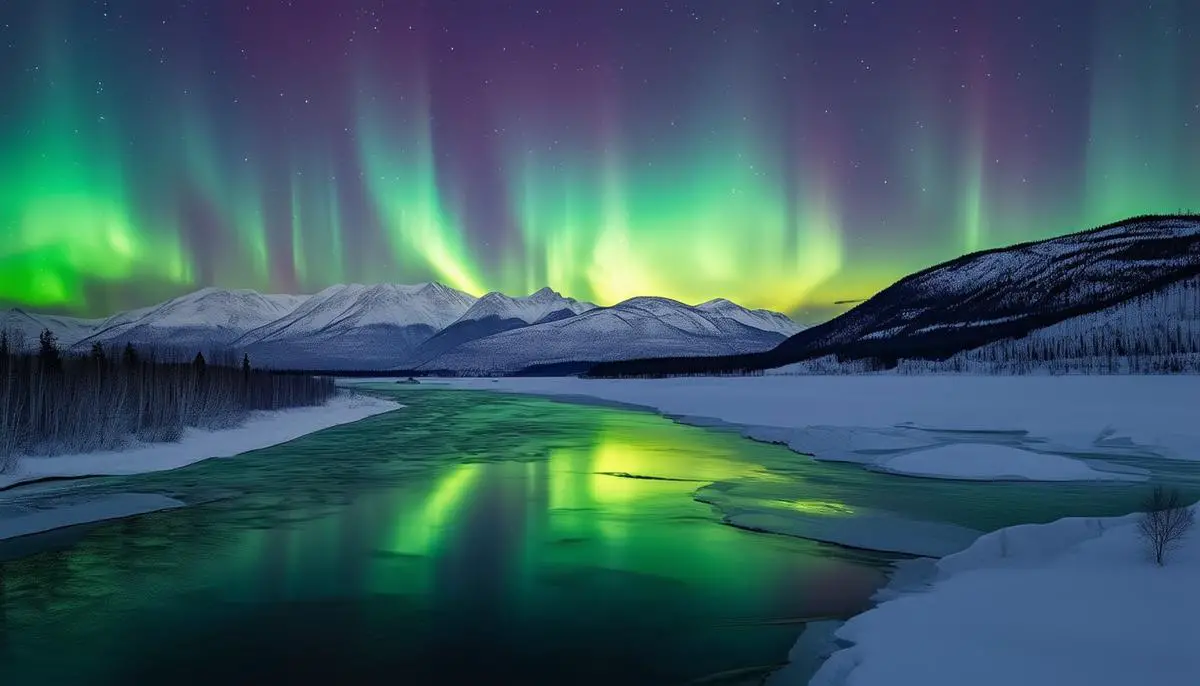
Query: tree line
56, 402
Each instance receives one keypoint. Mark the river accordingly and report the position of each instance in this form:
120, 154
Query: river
467, 538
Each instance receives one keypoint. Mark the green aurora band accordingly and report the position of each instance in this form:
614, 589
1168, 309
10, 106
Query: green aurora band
104, 207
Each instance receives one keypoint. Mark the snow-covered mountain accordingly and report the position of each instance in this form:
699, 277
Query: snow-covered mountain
1006, 293
638, 327
356, 326
758, 319
24, 328
495, 313
207, 319
993, 296
529, 309
428, 327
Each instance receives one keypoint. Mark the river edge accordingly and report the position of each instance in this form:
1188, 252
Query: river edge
827, 653
38, 499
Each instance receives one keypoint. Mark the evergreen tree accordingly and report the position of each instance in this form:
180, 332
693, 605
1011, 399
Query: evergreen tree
130, 357
98, 354
246, 365
48, 353
198, 363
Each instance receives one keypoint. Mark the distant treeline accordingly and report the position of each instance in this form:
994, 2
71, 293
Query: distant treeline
52, 402
348, 373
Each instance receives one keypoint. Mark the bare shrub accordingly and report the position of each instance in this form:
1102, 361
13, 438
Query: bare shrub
1165, 522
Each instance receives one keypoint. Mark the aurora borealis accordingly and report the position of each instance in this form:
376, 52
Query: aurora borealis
781, 154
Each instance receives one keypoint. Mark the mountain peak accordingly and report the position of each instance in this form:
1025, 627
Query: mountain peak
431, 287
545, 293
529, 309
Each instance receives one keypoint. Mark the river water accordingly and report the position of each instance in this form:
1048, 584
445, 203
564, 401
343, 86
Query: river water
467, 538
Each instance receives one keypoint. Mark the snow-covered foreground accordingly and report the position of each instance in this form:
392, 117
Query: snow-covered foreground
1078, 602
874, 419
262, 430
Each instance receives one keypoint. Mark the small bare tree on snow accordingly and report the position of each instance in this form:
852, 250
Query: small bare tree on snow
1165, 522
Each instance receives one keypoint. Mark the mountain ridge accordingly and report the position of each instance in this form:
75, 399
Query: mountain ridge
385, 326
979, 298
648, 324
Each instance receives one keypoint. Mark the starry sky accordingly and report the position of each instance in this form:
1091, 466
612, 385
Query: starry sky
787, 154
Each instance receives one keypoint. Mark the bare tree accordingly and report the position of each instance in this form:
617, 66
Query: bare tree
1165, 522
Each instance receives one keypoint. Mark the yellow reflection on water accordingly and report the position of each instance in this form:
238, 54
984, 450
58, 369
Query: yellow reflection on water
613, 464
822, 507
621, 468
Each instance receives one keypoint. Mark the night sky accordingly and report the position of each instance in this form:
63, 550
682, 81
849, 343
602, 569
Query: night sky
782, 154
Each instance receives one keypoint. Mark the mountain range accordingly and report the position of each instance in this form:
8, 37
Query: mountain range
657, 326
1117, 291
428, 328
1121, 297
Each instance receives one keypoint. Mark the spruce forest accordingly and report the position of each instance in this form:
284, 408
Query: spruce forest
52, 402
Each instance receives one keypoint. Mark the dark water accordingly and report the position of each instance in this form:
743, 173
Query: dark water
469, 538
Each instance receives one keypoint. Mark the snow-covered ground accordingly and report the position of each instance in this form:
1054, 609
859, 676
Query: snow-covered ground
1077, 602
875, 419
984, 462
262, 430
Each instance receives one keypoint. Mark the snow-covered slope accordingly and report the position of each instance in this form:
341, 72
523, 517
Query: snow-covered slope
759, 319
356, 326
495, 313
24, 328
638, 327
997, 294
1073, 602
206, 319
1154, 333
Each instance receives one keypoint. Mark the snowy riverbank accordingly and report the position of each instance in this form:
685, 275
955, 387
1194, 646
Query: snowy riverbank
1063, 426
24, 511
1072, 603
261, 430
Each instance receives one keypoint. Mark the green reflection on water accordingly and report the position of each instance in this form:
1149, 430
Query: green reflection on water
558, 528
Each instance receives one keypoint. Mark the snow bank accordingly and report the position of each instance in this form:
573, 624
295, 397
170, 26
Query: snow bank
262, 430
815, 645
983, 462
1077, 602
18, 520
